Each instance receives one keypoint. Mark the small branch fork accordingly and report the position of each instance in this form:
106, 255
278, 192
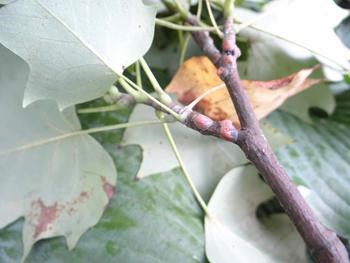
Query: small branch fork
222, 129
323, 244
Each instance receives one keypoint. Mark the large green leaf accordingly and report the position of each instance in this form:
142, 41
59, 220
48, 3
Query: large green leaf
155, 219
233, 230
60, 187
207, 159
319, 159
75, 48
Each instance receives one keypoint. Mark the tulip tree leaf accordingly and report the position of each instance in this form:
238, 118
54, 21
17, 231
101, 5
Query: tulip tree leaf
62, 187
75, 48
155, 219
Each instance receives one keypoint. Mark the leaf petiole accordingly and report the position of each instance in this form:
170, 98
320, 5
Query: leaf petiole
163, 96
107, 108
151, 98
170, 25
184, 169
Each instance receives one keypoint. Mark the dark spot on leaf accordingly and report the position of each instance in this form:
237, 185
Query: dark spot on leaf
47, 214
107, 187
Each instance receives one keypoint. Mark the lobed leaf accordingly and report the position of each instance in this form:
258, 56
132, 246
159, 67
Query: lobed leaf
59, 182
152, 220
75, 48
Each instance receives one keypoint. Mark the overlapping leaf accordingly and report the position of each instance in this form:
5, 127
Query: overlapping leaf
234, 232
152, 220
75, 48
61, 186
271, 58
281, 21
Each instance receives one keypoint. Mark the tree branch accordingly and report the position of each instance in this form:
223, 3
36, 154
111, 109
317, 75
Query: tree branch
323, 244
221, 129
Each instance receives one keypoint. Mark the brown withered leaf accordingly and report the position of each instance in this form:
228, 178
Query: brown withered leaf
198, 75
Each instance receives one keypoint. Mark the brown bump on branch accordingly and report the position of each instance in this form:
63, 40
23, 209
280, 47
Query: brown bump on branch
203, 124
227, 131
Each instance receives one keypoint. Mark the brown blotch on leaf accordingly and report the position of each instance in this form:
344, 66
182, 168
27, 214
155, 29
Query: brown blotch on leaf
47, 214
108, 188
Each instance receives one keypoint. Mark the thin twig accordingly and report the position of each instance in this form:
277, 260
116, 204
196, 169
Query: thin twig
190, 118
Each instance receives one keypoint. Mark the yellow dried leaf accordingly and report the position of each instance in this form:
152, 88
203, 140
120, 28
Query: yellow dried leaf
198, 75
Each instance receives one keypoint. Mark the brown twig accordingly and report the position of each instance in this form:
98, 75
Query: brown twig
222, 129
323, 243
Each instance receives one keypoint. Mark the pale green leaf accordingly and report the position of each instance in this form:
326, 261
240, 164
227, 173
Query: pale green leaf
62, 187
154, 220
234, 232
281, 20
5, 2
75, 48
319, 159
206, 158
